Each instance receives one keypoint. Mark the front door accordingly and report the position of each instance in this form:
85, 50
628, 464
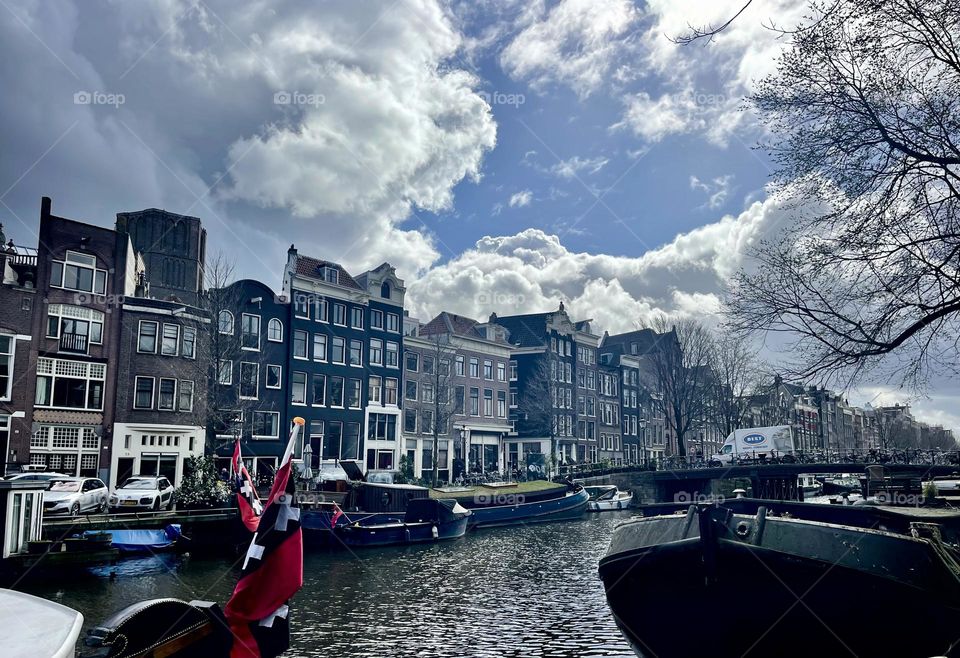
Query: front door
124, 470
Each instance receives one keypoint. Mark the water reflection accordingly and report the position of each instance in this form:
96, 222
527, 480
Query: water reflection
528, 591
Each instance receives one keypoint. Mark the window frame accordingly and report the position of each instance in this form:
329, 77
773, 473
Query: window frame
220, 323
173, 400
266, 381
156, 336
244, 333
273, 323
164, 337
136, 391
256, 381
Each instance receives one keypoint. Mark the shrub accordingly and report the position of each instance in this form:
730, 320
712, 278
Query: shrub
201, 487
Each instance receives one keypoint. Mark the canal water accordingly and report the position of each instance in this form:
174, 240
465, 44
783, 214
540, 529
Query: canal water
521, 591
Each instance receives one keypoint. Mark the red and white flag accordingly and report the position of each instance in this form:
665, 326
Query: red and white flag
273, 568
247, 498
337, 513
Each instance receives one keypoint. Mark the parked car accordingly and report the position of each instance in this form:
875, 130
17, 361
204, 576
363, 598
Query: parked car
39, 476
143, 492
73, 496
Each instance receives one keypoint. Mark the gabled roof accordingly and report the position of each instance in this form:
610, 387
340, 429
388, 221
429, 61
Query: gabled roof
458, 325
526, 330
310, 267
647, 340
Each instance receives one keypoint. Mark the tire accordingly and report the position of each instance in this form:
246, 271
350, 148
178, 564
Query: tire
102, 509
169, 506
156, 504
75, 510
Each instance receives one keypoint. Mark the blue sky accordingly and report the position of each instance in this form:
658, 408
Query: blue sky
504, 155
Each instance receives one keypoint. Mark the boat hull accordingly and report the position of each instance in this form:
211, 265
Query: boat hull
619, 503
393, 534
570, 506
785, 595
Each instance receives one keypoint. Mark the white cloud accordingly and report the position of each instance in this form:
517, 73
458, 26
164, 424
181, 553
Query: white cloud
576, 43
717, 190
521, 199
572, 167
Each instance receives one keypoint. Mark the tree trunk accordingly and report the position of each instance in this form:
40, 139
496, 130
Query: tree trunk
436, 457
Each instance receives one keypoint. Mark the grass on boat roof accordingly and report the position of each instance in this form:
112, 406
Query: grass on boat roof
521, 487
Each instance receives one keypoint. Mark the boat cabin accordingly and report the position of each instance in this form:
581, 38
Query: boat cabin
21, 514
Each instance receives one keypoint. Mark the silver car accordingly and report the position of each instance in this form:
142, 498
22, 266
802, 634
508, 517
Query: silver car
75, 496
143, 492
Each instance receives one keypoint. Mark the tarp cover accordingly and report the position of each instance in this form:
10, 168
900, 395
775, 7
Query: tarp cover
145, 540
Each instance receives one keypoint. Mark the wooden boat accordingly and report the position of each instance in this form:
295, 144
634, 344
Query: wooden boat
426, 520
786, 583
569, 505
608, 497
38, 627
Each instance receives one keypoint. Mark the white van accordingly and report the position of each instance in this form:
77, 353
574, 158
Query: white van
757, 443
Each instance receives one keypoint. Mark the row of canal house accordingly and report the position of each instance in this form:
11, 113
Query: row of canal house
114, 361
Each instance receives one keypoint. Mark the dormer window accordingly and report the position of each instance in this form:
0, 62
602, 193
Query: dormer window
385, 290
330, 274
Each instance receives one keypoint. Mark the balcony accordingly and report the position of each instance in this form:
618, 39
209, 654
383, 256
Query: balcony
73, 343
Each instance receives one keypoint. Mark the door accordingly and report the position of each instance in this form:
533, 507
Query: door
124, 470
168, 467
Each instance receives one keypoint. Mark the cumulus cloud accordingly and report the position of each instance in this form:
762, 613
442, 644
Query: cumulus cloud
576, 43
573, 167
521, 199
533, 271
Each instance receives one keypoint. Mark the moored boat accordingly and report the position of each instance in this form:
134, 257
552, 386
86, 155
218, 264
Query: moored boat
38, 627
570, 504
947, 485
790, 577
809, 485
147, 540
605, 498
426, 520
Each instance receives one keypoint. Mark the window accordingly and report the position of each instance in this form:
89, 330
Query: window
336, 392
340, 314
225, 372
445, 367
475, 367
249, 380
275, 330
330, 274
458, 400
426, 421
376, 352
225, 323
319, 390
382, 427
299, 344
356, 353
316, 432
385, 290
487, 402
250, 332
356, 318
167, 395
7, 344
410, 421
319, 347
78, 272
331, 441
274, 376
147, 337
188, 347
298, 388
393, 355
410, 390
266, 425
459, 366
354, 391
143, 393
185, 401
320, 309
426, 393
501, 404
413, 362
428, 365
393, 323
301, 308
70, 384
501, 371
170, 344
513, 371
376, 319
338, 350
375, 390
488, 370
390, 391
66, 321
474, 401
513, 398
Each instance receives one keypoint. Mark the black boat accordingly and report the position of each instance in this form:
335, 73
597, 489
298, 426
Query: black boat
789, 587
426, 520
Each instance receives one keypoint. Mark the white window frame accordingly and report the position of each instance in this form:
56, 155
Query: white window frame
343, 354
180, 390
306, 345
183, 343
94, 288
356, 311
393, 320
379, 350
298, 296
266, 381
156, 336
254, 424
373, 314
176, 339
229, 379
225, 313
243, 317
395, 350
256, 395
273, 323
160, 381
323, 352
293, 389
11, 358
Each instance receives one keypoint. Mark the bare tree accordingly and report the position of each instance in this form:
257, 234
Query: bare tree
865, 107
435, 364
708, 31
680, 363
736, 375
538, 402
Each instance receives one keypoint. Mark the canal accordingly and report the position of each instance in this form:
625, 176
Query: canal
522, 591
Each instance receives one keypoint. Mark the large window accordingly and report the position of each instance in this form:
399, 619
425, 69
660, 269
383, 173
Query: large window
382, 427
299, 344
250, 332
390, 391
74, 325
487, 370
188, 346
375, 390
339, 347
376, 352
336, 392
487, 402
340, 314
320, 309
301, 308
274, 376
356, 318
319, 390
393, 355
376, 319
7, 344
225, 372
170, 344
185, 400
225, 323
70, 384
298, 388
78, 271
356, 353
393, 323
413, 362
147, 337
319, 347
143, 393
266, 424
354, 389
474, 401
410, 390
501, 404
410, 421
167, 394
275, 330
249, 380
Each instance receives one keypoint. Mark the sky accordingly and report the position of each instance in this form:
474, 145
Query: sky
503, 155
